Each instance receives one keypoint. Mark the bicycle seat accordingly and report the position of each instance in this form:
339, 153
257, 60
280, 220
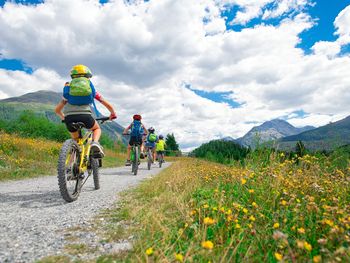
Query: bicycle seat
78, 125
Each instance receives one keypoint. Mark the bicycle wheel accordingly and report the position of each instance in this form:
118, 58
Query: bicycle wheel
69, 181
135, 162
160, 160
95, 172
149, 159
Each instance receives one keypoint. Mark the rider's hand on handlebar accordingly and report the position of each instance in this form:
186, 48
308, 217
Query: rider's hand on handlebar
113, 116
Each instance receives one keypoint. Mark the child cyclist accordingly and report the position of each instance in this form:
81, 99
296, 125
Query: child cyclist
78, 95
160, 147
151, 140
137, 130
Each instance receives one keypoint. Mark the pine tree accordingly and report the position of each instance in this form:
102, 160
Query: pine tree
171, 144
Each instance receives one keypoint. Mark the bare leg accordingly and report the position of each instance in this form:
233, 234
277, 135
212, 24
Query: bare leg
97, 132
75, 135
128, 152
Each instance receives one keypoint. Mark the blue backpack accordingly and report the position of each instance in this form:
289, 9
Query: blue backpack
136, 129
80, 91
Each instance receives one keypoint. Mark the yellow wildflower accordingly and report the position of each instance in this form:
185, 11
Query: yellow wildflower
207, 244
205, 206
254, 205
149, 251
208, 221
243, 181
251, 191
278, 256
179, 257
284, 202
252, 218
301, 230
307, 246
317, 259
276, 225
238, 226
245, 210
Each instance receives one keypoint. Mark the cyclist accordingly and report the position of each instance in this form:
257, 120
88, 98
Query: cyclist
137, 130
151, 140
160, 147
78, 95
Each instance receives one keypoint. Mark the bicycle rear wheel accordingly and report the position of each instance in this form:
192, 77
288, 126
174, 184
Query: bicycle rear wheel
160, 159
69, 181
95, 172
149, 159
135, 161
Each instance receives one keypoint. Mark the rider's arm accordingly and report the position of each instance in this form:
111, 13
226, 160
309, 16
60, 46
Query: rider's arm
107, 105
59, 108
126, 129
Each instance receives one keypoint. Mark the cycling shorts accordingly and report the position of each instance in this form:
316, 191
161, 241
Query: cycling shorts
135, 140
87, 119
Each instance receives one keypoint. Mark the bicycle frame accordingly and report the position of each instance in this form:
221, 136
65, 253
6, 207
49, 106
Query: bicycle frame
85, 146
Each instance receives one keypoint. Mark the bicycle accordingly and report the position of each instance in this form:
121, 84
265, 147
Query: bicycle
74, 160
134, 156
160, 159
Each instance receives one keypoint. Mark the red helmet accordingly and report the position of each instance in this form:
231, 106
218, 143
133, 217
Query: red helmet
137, 117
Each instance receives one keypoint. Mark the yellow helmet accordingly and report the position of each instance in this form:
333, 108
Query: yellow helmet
80, 70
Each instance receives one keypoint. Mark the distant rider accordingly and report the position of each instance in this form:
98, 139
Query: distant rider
137, 130
78, 95
160, 147
151, 140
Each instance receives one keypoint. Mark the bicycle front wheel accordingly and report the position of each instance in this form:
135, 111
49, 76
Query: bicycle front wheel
95, 172
69, 181
149, 159
135, 162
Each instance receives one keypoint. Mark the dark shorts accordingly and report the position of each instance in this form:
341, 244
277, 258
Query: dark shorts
160, 152
87, 119
135, 140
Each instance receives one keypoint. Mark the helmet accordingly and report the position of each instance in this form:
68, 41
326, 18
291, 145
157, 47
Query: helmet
151, 130
80, 71
137, 117
161, 137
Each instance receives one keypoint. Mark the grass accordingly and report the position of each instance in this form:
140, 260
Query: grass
196, 211
19, 157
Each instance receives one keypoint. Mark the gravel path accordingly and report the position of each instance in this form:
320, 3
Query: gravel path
33, 214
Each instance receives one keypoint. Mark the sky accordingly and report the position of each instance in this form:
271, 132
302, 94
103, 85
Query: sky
201, 69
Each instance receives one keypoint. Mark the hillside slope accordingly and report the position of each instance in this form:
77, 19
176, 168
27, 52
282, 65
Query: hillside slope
42, 103
268, 131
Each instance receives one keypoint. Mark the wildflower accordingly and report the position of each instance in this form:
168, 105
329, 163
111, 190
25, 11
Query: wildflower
300, 244
250, 226
322, 241
317, 259
229, 212
208, 221
245, 210
252, 218
307, 246
278, 256
243, 181
301, 230
179, 257
205, 206
276, 225
279, 235
284, 202
149, 251
251, 191
238, 226
193, 212
207, 244
254, 205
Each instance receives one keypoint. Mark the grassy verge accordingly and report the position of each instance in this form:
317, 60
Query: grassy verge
197, 211
26, 157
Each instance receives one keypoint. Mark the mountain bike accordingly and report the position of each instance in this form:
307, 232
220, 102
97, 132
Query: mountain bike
160, 159
75, 158
134, 156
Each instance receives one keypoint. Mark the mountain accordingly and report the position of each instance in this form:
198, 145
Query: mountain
43, 103
269, 131
323, 138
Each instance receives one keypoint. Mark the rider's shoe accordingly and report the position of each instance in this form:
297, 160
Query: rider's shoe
127, 163
142, 155
97, 150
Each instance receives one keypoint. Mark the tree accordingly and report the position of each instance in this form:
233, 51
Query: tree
300, 149
171, 144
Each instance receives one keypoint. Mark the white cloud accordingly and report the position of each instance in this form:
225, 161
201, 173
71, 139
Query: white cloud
141, 54
342, 23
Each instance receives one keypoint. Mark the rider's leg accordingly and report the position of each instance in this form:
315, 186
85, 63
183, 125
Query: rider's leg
96, 132
154, 154
74, 135
128, 152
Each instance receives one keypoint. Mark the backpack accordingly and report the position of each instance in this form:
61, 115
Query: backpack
136, 129
79, 91
152, 137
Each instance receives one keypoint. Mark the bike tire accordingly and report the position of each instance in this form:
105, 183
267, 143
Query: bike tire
135, 163
160, 159
95, 172
66, 193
